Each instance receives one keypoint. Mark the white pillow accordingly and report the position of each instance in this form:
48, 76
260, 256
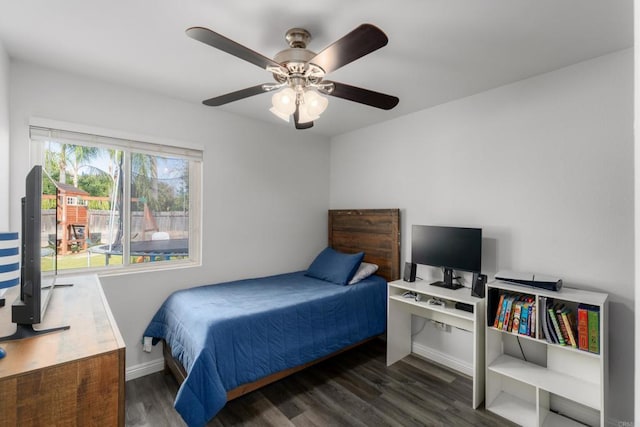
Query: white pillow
364, 270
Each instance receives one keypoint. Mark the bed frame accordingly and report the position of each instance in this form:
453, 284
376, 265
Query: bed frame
374, 231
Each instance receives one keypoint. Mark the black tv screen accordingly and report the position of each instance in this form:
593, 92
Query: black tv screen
36, 287
452, 248
27, 311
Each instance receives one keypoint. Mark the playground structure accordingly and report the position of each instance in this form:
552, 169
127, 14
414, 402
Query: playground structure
73, 219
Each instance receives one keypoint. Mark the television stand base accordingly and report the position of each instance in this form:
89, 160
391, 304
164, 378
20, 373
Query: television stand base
452, 286
27, 331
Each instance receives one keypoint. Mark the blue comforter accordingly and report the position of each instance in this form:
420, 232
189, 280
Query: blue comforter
233, 333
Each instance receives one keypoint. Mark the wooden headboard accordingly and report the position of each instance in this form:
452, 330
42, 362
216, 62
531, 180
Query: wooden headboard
374, 231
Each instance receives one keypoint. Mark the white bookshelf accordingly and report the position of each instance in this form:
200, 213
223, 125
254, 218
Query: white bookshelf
536, 383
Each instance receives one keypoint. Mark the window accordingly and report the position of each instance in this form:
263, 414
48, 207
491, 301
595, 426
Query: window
117, 203
76, 201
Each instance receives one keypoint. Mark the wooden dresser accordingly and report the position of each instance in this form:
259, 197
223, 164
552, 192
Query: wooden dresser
73, 377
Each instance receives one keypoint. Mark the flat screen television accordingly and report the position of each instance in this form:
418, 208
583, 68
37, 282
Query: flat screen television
35, 289
451, 248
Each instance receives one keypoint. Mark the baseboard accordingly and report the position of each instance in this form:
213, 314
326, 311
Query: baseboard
442, 358
143, 369
421, 350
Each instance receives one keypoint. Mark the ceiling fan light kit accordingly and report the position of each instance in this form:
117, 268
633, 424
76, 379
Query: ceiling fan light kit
284, 103
315, 104
299, 73
308, 101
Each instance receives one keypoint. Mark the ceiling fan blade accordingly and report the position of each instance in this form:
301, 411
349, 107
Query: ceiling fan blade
234, 96
358, 43
219, 41
363, 96
296, 117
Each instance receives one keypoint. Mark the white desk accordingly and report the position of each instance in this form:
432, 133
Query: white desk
400, 309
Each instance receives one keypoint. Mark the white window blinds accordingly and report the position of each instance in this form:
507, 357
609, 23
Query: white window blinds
74, 138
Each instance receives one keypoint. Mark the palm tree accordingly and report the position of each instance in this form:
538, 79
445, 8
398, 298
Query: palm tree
144, 177
81, 156
62, 163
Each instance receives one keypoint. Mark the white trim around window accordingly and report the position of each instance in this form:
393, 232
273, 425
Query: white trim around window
71, 133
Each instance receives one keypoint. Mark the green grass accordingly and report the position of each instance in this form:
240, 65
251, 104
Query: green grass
83, 260
79, 260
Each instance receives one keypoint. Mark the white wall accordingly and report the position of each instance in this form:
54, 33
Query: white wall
544, 166
266, 188
4, 141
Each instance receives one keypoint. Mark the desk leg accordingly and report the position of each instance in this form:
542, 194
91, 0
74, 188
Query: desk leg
398, 332
478, 355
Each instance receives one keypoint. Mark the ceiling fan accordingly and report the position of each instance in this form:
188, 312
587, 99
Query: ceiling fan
299, 73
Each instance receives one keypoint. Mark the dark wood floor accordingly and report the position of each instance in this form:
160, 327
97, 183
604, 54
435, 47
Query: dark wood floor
355, 388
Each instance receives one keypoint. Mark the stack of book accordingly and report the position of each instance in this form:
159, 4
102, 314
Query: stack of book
516, 314
561, 326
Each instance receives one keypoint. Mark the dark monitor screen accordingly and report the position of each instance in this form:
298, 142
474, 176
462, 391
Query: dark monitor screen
30, 293
34, 293
454, 248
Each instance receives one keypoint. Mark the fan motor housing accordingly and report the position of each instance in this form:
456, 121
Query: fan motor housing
295, 55
295, 58
298, 39
295, 61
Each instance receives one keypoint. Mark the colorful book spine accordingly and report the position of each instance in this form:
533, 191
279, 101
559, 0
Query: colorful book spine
569, 327
519, 300
507, 313
559, 309
552, 331
583, 327
556, 326
594, 329
511, 310
503, 312
515, 322
532, 320
532, 305
524, 319
496, 321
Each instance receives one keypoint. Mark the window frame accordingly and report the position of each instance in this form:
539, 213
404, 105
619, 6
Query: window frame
41, 129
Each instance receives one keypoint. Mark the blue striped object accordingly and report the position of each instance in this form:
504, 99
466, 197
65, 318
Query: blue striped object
9, 260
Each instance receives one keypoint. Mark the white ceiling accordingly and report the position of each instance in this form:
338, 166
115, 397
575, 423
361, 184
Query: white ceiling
438, 50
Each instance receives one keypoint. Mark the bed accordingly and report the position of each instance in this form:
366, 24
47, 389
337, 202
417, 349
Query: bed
222, 341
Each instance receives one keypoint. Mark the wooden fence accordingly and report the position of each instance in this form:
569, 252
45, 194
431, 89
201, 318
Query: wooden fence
174, 223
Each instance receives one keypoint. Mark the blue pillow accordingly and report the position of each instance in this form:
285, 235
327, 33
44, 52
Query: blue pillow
334, 266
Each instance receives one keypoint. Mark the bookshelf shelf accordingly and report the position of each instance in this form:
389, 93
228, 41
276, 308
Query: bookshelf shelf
500, 331
568, 386
533, 382
447, 309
